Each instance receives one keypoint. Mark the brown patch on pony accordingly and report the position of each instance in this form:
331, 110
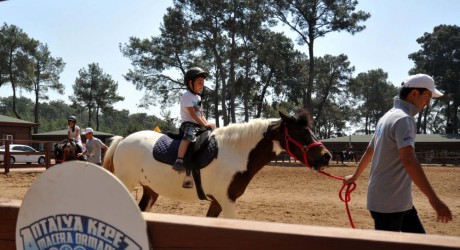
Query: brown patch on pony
257, 160
149, 197
214, 208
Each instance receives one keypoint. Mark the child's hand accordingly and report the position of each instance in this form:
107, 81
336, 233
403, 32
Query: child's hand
212, 126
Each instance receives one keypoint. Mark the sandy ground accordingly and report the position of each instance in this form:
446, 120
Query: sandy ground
292, 194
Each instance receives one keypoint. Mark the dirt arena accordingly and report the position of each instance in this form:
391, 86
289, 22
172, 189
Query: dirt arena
293, 194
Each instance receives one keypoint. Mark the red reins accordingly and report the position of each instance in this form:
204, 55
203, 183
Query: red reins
305, 148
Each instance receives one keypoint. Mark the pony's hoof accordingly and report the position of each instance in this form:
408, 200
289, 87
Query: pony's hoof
188, 182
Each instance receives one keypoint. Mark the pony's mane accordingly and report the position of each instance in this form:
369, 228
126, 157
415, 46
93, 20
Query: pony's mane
238, 135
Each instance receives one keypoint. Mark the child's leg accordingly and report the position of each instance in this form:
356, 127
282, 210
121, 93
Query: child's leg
182, 148
179, 163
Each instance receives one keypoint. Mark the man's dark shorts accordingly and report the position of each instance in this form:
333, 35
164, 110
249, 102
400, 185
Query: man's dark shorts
407, 221
188, 130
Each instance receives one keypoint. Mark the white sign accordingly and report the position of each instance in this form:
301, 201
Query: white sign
79, 206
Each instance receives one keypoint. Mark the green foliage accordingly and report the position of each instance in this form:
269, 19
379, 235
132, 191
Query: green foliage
54, 117
372, 96
95, 91
440, 58
27, 64
314, 19
16, 66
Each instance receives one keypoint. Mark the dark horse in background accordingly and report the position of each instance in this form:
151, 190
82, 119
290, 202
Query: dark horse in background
343, 156
66, 150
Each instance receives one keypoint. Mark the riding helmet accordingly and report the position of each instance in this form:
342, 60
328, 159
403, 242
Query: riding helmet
72, 118
193, 73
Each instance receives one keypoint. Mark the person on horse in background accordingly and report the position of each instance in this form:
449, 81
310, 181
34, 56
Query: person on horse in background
73, 133
191, 112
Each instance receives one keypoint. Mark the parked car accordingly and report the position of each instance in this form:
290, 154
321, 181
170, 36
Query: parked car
33, 158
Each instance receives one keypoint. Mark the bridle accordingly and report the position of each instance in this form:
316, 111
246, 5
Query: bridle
304, 148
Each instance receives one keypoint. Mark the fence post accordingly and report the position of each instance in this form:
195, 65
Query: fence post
47, 155
6, 157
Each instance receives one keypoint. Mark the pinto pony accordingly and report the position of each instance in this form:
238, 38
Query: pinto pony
243, 150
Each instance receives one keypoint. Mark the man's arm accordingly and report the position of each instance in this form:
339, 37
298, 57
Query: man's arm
362, 165
416, 173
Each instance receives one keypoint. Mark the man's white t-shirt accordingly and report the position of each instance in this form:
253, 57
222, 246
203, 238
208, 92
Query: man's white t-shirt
390, 186
187, 100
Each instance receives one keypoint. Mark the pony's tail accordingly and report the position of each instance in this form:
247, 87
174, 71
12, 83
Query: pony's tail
108, 159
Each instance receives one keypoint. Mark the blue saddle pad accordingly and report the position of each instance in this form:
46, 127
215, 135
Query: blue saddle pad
165, 151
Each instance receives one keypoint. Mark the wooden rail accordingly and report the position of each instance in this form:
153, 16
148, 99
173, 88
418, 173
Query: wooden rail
6, 163
186, 232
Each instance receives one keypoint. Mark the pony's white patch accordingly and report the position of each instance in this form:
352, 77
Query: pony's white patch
277, 149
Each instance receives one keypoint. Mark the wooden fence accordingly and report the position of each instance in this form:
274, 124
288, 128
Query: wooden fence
186, 232
48, 146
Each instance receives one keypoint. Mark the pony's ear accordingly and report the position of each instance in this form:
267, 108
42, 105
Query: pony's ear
284, 117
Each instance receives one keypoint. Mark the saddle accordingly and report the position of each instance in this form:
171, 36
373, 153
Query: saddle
199, 154
59, 149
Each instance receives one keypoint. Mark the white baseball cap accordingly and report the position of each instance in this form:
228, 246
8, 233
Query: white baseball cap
422, 81
87, 130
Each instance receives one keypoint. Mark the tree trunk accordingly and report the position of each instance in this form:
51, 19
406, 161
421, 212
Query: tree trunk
89, 115
232, 78
97, 118
37, 99
324, 99
455, 117
221, 73
425, 115
262, 95
216, 103
13, 85
311, 74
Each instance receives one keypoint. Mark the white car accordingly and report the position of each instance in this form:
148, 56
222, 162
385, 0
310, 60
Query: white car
33, 158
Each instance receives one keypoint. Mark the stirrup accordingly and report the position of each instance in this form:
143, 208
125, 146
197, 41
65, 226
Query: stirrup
188, 182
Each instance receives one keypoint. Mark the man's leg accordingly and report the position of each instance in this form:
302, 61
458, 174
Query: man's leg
411, 222
388, 221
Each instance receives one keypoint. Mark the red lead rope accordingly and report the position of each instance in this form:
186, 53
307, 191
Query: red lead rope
349, 187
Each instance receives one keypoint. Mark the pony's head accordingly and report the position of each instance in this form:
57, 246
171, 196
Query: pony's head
296, 137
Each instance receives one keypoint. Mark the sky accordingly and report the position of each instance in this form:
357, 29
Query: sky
86, 31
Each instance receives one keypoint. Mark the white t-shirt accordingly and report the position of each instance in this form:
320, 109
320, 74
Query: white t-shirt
189, 99
93, 150
390, 186
75, 135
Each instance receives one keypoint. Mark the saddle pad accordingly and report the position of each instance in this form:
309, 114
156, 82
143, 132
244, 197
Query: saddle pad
165, 151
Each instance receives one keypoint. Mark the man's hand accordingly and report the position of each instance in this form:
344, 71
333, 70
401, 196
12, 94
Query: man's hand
442, 211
